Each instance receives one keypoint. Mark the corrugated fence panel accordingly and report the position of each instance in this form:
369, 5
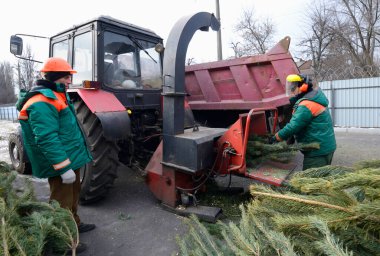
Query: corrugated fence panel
354, 102
8, 113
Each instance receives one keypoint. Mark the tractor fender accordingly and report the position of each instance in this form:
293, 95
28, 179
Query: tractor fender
112, 114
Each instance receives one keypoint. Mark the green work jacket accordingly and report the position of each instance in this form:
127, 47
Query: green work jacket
311, 122
52, 137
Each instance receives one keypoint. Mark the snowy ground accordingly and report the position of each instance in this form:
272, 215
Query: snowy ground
41, 186
6, 127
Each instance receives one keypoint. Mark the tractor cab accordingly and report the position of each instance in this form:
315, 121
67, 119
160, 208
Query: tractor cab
123, 58
114, 55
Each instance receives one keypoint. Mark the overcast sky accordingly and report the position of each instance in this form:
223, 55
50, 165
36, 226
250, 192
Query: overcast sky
45, 18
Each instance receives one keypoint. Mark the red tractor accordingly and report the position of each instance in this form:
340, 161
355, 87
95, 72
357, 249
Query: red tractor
148, 111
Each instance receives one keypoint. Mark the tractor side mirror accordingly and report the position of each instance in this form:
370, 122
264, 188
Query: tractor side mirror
16, 45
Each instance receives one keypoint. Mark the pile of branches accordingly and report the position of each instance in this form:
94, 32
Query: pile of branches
259, 150
29, 227
331, 210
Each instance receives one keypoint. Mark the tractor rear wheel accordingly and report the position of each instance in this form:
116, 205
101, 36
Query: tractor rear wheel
18, 154
97, 177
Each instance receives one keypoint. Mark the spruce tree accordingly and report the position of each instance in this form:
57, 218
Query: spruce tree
29, 227
330, 210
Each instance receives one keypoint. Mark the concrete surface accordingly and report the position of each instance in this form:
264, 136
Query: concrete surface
130, 221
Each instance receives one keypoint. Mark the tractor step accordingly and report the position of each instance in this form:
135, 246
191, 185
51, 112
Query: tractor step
205, 213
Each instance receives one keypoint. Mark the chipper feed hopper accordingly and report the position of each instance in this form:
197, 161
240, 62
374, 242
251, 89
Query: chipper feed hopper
226, 102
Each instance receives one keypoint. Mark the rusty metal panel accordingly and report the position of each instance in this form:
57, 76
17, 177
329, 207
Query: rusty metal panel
242, 83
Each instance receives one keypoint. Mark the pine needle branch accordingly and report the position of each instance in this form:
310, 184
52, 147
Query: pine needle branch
18, 246
4, 236
330, 245
205, 234
305, 201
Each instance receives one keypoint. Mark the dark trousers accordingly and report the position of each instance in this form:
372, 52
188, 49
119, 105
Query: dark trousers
67, 195
317, 161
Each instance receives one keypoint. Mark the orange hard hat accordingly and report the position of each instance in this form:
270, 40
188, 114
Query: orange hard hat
55, 64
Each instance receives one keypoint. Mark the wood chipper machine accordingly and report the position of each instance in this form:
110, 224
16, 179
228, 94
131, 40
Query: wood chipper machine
227, 102
126, 99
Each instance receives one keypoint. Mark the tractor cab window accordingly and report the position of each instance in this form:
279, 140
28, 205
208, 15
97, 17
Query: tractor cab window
61, 49
130, 63
150, 67
82, 58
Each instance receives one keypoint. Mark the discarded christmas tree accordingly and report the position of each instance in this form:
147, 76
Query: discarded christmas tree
259, 150
330, 210
29, 227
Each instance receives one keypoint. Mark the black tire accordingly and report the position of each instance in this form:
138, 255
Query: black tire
97, 177
17, 154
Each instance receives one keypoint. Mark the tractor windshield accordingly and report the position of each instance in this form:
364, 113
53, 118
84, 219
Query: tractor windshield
130, 63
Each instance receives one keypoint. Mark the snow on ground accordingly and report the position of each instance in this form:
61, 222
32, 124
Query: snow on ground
41, 186
6, 127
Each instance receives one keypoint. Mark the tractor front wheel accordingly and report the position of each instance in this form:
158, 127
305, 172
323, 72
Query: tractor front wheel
18, 154
97, 177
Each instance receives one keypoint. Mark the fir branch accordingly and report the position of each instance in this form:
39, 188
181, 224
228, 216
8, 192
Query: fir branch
259, 151
21, 251
182, 245
205, 234
4, 167
329, 245
323, 172
371, 193
4, 235
197, 237
276, 241
232, 244
360, 178
73, 241
310, 185
367, 164
241, 241
304, 201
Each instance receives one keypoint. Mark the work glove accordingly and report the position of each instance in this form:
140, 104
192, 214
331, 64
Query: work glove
272, 140
68, 177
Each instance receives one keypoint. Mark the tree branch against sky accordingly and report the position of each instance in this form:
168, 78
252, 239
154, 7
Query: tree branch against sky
318, 36
26, 69
256, 35
343, 34
7, 94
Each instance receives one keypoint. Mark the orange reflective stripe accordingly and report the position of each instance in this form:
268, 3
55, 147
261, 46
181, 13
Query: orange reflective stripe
315, 108
62, 164
58, 104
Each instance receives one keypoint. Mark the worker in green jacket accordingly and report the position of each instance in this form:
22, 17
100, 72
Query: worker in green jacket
53, 140
310, 122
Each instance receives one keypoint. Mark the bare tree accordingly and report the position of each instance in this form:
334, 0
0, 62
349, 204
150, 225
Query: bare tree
7, 94
356, 26
190, 61
26, 70
318, 38
256, 35
344, 34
